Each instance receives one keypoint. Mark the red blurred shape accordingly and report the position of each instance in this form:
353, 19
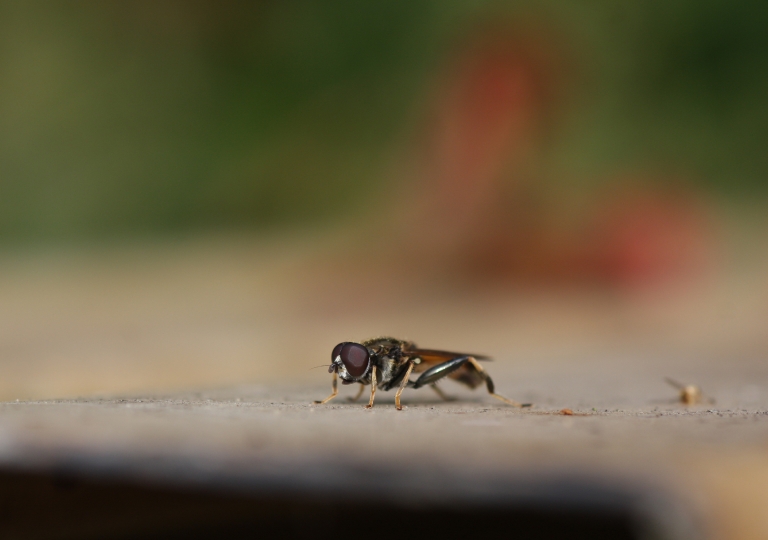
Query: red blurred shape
643, 235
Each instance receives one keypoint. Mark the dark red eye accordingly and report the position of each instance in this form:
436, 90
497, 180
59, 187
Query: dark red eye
355, 358
337, 350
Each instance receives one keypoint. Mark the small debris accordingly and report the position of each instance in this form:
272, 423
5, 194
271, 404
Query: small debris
566, 412
689, 394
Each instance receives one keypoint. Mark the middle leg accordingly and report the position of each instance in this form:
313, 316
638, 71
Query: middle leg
402, 385
440, 393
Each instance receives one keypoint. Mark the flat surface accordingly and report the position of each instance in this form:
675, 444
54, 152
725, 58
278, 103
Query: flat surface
710, 459
138, 331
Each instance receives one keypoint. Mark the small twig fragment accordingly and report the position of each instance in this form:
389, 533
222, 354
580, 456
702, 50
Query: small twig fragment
690, 394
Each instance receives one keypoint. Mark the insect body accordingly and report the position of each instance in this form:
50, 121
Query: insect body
386, 363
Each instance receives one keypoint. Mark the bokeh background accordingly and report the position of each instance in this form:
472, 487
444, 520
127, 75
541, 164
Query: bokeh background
209, 193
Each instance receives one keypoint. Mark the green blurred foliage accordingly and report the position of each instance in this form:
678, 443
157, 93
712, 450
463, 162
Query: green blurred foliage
126, 118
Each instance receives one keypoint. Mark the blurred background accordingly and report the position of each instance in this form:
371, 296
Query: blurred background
206, 193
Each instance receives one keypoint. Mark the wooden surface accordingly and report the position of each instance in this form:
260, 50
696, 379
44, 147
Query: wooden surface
712, 460
195, 367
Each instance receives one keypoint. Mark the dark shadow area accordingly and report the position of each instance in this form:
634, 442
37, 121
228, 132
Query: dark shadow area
46, 506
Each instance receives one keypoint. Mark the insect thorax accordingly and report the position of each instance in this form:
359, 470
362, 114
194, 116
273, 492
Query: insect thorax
386, 345
387, 355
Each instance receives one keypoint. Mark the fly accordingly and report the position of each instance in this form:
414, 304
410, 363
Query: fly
386, 363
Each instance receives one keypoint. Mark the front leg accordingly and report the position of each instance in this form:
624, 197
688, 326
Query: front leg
357, 396
333, 393
373, 387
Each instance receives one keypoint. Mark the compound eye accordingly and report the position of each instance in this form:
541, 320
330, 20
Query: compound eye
355, 358
337, 350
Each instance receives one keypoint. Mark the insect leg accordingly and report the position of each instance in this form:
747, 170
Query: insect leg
373, 387
441, 393
333, 393
357, 396
439, 371
489, 385
402, 385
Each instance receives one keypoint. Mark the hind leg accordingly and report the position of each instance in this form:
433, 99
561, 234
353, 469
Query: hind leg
439, 371
489, 385
435, 373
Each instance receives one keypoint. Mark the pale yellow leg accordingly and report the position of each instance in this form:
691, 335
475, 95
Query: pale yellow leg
489, 385
357, 396
402, 385
441, 393
373, 387
333, 393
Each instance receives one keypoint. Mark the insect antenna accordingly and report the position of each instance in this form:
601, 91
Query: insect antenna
322, 365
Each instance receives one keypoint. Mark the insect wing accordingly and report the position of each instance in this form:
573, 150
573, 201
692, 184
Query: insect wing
433, 356
433, 359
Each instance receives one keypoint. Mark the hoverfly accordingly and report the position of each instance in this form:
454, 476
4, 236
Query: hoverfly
386, 363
